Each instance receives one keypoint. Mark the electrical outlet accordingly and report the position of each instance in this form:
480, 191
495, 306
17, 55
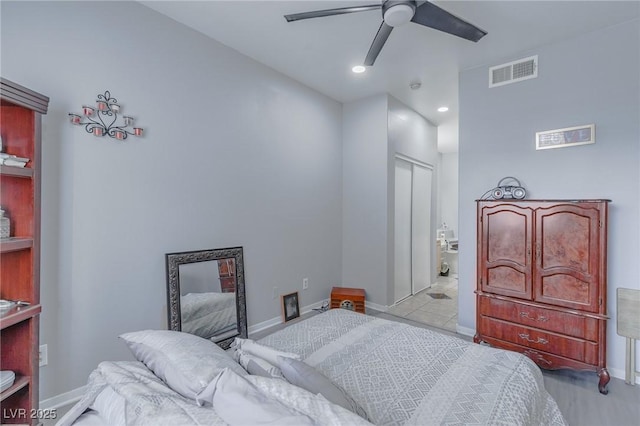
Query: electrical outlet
275, 293
43, 355
305, 283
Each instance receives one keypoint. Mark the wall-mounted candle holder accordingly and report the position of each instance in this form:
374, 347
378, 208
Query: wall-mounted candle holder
101, 119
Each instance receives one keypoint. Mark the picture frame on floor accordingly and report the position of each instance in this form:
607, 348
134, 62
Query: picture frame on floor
290, 307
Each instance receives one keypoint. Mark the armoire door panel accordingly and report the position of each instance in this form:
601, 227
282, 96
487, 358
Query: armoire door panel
507, 236
567, 256
565, 241
566, 289
506, 278
506, 251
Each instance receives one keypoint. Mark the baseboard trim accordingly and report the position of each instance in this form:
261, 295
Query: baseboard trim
264, 325
375, 306
63, 399
465, 331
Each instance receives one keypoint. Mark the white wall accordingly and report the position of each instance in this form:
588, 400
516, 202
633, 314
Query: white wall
234, 153
592, 78
448, 190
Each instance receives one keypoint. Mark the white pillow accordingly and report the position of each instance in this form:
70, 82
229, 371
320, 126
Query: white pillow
303, 375
257, 366
238, 402
265, 352
315, 406
185, 362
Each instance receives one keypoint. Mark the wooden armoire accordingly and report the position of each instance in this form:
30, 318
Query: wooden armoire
542, 281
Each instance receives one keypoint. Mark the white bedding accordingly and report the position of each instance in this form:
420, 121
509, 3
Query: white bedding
408, 375
148, 401
208, 314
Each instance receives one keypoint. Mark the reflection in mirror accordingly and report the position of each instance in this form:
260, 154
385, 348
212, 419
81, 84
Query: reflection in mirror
205, 291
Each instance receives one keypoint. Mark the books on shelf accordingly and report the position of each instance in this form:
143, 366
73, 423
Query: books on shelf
13, 160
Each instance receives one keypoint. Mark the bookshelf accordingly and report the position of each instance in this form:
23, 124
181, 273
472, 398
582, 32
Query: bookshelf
20, 127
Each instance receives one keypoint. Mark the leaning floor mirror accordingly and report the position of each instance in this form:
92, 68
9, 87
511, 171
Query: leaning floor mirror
205, 294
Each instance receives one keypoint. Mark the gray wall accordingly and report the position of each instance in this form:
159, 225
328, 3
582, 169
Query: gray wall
588, 79
374, 130
365, 197
235, 154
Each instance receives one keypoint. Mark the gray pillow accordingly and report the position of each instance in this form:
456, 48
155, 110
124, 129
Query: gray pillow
185, 362
303, 375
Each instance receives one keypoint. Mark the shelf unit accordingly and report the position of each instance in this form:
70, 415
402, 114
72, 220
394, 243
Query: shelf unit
20, 126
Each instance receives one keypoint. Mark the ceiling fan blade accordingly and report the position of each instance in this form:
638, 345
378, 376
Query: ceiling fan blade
378, 42
430, 15
331, 12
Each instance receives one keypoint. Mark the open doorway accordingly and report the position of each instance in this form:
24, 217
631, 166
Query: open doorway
438, 305
412, 228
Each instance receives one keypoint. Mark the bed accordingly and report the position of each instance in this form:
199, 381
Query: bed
389, 373
401, 374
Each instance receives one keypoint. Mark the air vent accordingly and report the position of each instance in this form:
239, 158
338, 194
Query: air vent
512, 72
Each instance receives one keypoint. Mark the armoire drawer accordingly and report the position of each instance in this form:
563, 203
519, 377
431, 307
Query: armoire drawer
570, 347
543, 359
547, 319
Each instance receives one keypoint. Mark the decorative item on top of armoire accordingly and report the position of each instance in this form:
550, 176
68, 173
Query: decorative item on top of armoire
106, 113
21, 110
542, 281
508, 187
348, 298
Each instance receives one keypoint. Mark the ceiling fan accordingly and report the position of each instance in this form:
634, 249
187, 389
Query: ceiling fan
398, 12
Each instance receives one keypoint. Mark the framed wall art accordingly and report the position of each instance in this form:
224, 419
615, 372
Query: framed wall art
570, 136
290, 306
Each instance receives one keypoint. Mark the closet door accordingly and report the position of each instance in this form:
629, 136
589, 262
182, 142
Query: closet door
402, 230
421, 241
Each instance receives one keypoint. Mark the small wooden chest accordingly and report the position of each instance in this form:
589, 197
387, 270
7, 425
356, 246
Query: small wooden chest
348, 298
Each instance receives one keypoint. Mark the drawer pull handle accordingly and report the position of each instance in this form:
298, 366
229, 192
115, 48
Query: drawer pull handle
540, 318
540, 339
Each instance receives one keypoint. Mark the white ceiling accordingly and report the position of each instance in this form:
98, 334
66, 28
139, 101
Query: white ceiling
320, 52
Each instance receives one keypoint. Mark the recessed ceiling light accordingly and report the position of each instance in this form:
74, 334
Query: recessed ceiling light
443, 109
358, 69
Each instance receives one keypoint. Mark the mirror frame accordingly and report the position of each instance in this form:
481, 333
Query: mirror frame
174, 260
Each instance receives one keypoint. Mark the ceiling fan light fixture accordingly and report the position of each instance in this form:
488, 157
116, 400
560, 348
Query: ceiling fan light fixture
398, 15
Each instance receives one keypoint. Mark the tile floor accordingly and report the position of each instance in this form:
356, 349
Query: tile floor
421, 307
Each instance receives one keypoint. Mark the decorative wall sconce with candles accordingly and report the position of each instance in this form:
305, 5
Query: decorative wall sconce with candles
101, 119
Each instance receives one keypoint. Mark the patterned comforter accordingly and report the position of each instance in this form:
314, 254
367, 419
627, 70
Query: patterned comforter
405, 375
